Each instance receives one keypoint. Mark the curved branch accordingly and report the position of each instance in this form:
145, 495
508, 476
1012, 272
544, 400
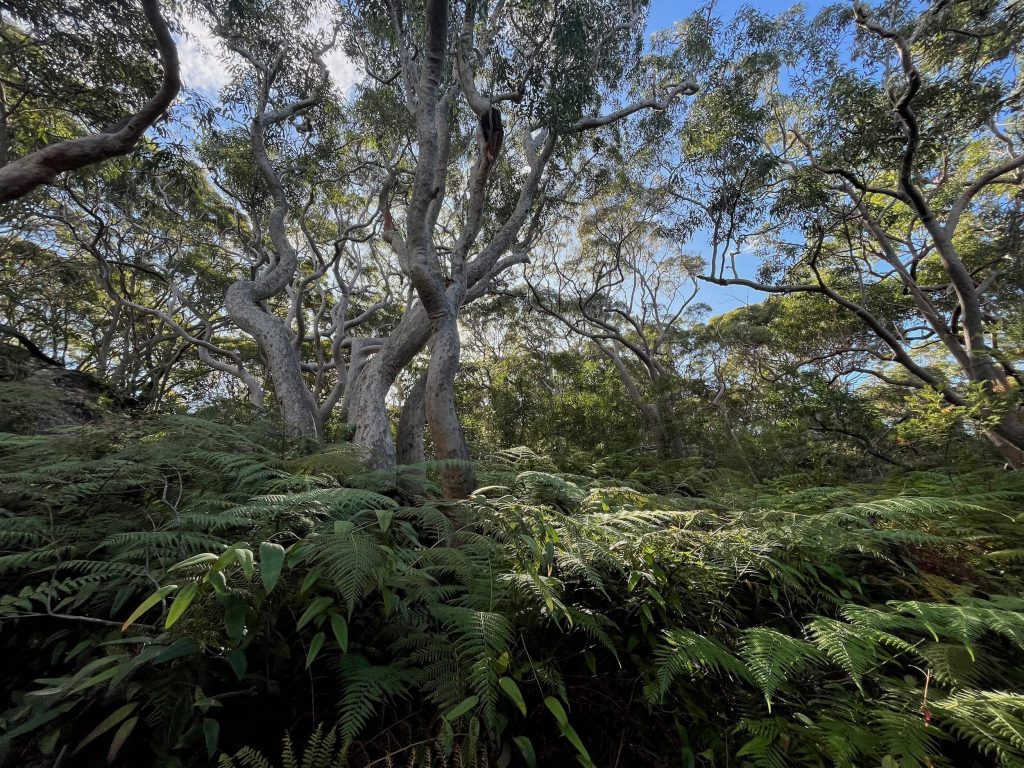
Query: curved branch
23, 175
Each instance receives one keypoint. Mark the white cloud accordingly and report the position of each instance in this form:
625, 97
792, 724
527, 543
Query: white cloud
343, 71
203, 57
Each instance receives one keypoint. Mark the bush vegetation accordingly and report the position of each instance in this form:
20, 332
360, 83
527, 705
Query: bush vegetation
178, 589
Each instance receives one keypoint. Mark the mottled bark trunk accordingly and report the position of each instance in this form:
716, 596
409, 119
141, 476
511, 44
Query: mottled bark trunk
298, 408
411, 423
410, 441
667, 441
368, 410
458, 479
1008, 438
244, 298
675, 448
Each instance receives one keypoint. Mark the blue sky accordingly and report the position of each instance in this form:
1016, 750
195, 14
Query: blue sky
662, 14
204, 70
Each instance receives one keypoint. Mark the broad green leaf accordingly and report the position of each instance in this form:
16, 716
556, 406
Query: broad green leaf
461, 708
343, 527
233, 554
296, 553
48, 742
314, 647
219, 582
181, 602
271, 562
384, 518
315, 609
310, 580
120, 738
508, 685
148, 603
526, 750
245, 559
239, 663
183, 646
109, 722
570, 733
226, 559
211, 732
340, 627
234, 618
556, 709
204, 557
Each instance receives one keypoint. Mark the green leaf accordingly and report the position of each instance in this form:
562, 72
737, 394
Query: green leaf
109, 722
48, 741
384, 518
340, 627
343, 527
315, 609
271, 562
461, 708
219, 582
181, 603
245, 559
204, 557
239, 663
508, 685
120, 738
556, 709
310, 580
226, 559
314, 647
211, 732
656, 595
183, 646
570, 733
148, 603
526, 750
234, 618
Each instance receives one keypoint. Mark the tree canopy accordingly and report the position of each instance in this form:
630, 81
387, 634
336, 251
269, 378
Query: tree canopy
512, 383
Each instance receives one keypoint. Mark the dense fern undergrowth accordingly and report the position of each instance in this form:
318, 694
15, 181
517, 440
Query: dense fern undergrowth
181, 592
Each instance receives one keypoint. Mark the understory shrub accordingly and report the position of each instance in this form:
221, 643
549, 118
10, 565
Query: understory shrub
184, 592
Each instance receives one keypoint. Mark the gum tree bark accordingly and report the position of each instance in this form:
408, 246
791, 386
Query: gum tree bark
410, 443
441, 293
244, 298
21, 176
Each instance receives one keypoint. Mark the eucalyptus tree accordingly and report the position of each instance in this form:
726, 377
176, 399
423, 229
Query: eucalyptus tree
283, 152
619, 283
495, 99
120, 271
73, 81
888, 184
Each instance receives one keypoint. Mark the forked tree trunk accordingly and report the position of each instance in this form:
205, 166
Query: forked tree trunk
298, 408
244, 298
458, 479
368, 411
